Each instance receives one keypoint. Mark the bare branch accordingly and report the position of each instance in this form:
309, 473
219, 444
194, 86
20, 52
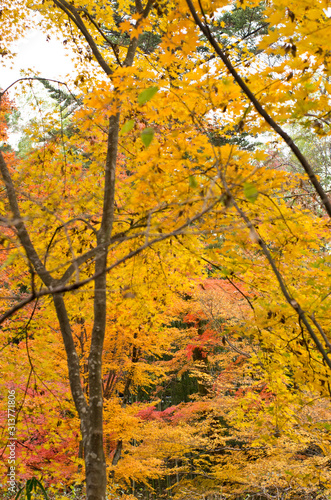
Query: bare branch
29, 78
320, 329
236, 349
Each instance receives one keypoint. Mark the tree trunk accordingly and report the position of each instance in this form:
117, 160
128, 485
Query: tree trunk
90, 412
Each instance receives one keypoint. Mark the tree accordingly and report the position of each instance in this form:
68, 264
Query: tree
139, 169
133, 229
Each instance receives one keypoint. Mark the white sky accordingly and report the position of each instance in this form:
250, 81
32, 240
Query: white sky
35, 54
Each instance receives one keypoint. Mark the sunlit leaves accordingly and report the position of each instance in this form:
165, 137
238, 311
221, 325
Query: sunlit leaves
176, 150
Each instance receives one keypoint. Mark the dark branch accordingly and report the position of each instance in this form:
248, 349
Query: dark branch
259, 108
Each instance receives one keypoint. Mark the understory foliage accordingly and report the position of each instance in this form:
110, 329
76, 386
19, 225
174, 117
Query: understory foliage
165, 277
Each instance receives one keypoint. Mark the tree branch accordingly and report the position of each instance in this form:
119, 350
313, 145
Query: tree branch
293, 303
23, 235
75, 286
113, 45
73, 14
134, 42
19, 225
259, 108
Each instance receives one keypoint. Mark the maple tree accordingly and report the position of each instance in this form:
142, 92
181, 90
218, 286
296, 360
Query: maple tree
113, 209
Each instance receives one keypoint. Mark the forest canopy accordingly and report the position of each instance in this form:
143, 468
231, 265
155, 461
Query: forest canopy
165, 252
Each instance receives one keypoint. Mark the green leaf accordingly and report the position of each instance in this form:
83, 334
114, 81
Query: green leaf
127, 127
38, 483
192, 181
250, 192
147, 136
19, 493
30, 485
146, 95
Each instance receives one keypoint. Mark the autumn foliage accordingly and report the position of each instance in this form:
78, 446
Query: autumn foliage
164, 272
